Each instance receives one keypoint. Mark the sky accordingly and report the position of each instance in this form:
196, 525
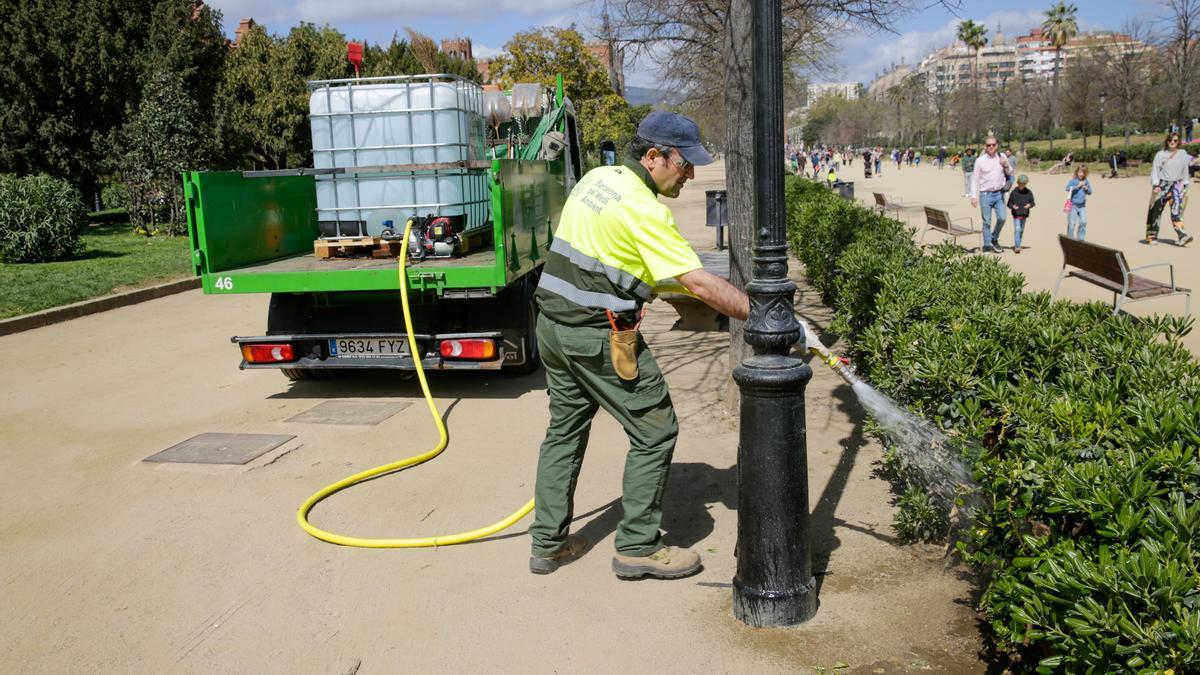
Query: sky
858, 55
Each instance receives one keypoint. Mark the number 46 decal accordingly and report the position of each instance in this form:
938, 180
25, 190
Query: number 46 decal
224, 283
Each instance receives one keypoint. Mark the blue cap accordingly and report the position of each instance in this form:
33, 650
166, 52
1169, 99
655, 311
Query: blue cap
677, 131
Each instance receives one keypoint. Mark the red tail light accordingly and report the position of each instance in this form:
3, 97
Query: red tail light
468, 349
268, 353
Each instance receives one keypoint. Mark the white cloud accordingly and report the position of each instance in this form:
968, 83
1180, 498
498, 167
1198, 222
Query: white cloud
484, 52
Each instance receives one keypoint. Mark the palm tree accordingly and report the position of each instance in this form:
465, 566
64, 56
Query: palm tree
1059, 27
974, 36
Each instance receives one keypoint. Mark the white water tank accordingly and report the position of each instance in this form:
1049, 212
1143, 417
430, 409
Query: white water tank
381, 125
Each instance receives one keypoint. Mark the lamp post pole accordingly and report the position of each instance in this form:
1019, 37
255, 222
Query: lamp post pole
1103, 97
774, 584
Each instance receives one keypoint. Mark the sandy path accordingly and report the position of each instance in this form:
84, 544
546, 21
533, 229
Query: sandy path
111, 564
1116, 218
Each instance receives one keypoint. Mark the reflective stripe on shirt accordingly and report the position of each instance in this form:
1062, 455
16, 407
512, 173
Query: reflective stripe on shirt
564, 288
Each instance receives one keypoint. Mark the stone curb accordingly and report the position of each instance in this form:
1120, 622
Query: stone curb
94, 306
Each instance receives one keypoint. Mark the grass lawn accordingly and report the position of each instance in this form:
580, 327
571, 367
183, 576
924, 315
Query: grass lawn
115, 260
1077, 143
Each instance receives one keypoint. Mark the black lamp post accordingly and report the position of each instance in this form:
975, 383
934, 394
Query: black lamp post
774, 585
1103, 97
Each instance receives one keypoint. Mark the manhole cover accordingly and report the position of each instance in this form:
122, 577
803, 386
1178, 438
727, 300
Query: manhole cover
350, 412
221, 448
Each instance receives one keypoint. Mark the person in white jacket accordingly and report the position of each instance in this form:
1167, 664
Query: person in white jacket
1169, 178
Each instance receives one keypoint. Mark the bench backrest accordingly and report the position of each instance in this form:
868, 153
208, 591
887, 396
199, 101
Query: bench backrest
1100, 260
880, 200
937, 218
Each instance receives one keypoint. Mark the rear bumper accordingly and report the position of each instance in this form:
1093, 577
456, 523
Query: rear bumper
313, 352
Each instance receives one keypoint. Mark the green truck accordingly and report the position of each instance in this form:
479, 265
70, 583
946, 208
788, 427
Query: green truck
471, 299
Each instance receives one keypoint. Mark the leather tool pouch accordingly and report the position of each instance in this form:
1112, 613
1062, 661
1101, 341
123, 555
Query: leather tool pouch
622, 345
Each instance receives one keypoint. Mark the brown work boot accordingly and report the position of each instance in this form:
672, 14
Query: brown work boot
668, 562
575, 547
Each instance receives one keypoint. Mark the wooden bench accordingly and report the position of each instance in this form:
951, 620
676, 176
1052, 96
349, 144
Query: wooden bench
1035, 163
1108, 269
885, 203
940, 221
1133, 163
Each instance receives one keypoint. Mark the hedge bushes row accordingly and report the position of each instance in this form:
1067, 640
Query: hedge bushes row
1142, 151
1086, 429
41, 219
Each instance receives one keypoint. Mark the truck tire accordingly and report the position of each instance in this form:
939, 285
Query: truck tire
528, 325
288, 313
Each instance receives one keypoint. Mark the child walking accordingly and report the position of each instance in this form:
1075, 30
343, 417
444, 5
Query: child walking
1020, 201
1079, 187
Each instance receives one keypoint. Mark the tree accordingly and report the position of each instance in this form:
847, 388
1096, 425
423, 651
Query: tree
1181, 56
1127, 71
1059, 27
974, 36
1085, 79
67, 70
608, 118
542, 55
262, 108
161, 139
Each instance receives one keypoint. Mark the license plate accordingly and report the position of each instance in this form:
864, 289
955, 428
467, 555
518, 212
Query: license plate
366, 348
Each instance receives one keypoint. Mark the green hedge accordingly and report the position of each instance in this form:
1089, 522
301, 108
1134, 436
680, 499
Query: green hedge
1085, 428
1142, 151
41, 219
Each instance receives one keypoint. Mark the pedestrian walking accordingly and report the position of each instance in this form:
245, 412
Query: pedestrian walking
1169, 178
988, 179
1020, 201
941, 157
614, 240
968, 168
877, 157
1078, 189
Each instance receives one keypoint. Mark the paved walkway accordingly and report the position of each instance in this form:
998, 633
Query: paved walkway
111, 564
1116, 218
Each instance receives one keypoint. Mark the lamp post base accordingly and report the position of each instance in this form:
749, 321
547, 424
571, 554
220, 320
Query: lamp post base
765, 608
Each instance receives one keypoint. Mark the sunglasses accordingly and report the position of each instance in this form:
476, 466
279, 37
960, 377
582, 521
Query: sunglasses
678, 160
990, 145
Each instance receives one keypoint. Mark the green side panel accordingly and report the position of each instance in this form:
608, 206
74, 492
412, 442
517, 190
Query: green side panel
528, 197
386, 279
236, 221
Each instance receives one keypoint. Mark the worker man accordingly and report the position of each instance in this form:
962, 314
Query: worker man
614, 241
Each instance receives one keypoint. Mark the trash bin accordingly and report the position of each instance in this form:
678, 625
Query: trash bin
846, 190
716, 214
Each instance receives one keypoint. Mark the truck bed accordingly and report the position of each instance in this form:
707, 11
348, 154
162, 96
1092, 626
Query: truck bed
307, 262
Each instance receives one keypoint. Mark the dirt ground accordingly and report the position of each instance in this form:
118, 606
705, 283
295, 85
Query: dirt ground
112, 564
1116, 218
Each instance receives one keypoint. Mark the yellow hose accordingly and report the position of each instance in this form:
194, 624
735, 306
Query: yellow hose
414, 542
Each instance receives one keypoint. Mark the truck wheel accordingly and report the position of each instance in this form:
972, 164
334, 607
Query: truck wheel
533, 356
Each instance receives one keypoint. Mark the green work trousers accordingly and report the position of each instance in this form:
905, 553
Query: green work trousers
580, 378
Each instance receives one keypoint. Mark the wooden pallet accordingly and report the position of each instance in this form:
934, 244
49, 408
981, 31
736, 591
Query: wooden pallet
325, 249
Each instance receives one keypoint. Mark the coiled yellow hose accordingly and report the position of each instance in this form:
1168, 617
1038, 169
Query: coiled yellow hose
414, 542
